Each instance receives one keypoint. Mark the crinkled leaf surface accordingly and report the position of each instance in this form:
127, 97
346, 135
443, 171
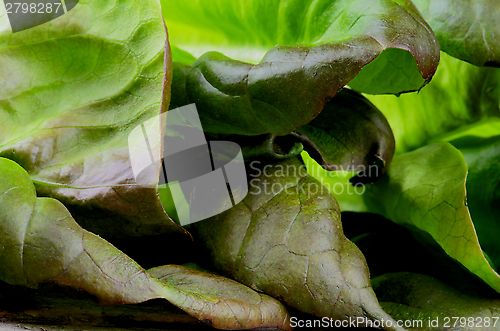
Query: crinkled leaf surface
349, 134
483, 187
425, 189
246, 30
460, 94
416, 297
468, 30
71, 91
41, 242
285, 238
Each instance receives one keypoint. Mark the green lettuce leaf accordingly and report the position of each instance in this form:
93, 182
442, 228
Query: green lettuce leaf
467, 30
460, 95
182, 56
285, 239
71, 91
41, 242
424, 303
425, 191
446, 109
465, 112
483, 187
377, 238
349, 196
246, 30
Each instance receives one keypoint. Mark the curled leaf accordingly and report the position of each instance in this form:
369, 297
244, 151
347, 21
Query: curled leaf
247, 30
41, 242
268, 147
350, 134
446, 105
285, 91
285, 239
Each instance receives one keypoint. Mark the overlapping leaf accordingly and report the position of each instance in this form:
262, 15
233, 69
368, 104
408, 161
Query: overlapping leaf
71, 91
467, 30
247, 30
425, 190
285, 238
350, 134
41, 242
460, 94
236, 305
461, 105
285, 91
483, 187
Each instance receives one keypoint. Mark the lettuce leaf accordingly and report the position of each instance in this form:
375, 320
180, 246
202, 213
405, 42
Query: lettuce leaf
41, 242
425, 303
71, 91
465, 112
350, 134
460, 95
246, 30
483, 187
467, 30
285, 239
425, 191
